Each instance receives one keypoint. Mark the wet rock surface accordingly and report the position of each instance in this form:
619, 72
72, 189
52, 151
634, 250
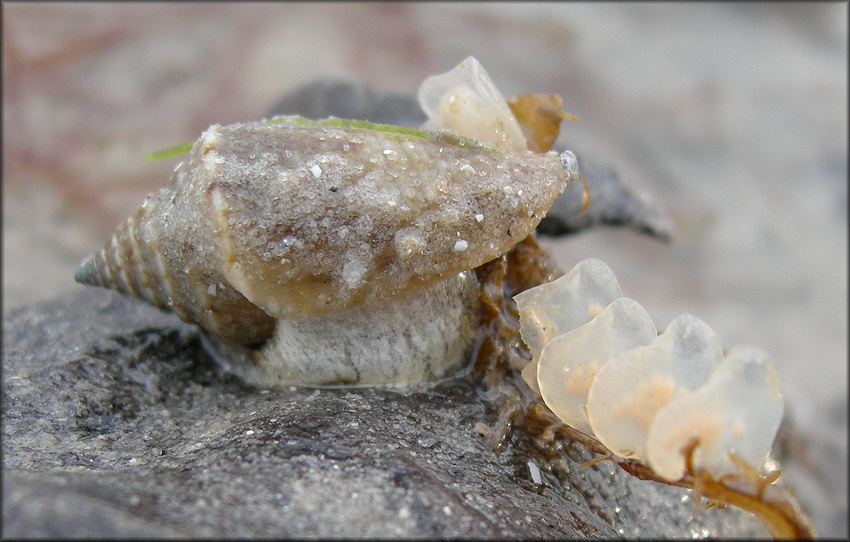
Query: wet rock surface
117, 424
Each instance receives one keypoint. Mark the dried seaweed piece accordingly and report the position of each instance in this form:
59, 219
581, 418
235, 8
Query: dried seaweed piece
539, 117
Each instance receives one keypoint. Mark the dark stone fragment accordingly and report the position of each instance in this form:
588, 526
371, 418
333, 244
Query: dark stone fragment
331, 98
612, 203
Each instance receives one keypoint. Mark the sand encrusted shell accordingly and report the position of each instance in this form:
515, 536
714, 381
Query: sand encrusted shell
295, 218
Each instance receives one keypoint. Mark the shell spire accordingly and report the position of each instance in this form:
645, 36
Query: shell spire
158, 256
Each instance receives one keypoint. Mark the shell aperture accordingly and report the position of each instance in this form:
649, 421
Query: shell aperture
415, 338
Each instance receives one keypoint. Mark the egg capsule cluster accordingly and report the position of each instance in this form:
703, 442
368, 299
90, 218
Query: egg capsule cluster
601, 367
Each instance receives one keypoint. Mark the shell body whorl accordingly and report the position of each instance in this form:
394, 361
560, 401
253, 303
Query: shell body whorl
294, 218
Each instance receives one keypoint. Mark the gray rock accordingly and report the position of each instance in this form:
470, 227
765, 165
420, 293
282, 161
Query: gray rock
612, 202
349, 100
118, 424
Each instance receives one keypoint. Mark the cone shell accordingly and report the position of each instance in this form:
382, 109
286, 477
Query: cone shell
296, 218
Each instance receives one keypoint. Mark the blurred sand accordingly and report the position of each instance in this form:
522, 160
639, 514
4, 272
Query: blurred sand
732, 117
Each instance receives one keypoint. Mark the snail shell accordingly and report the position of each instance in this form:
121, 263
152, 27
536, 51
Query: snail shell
293, 218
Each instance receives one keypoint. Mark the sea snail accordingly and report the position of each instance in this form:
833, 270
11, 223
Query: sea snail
318, 252
601, 367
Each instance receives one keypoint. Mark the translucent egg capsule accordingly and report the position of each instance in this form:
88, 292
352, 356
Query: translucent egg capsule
569, 362
562, 305
738, 410
633, 386
466, 100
